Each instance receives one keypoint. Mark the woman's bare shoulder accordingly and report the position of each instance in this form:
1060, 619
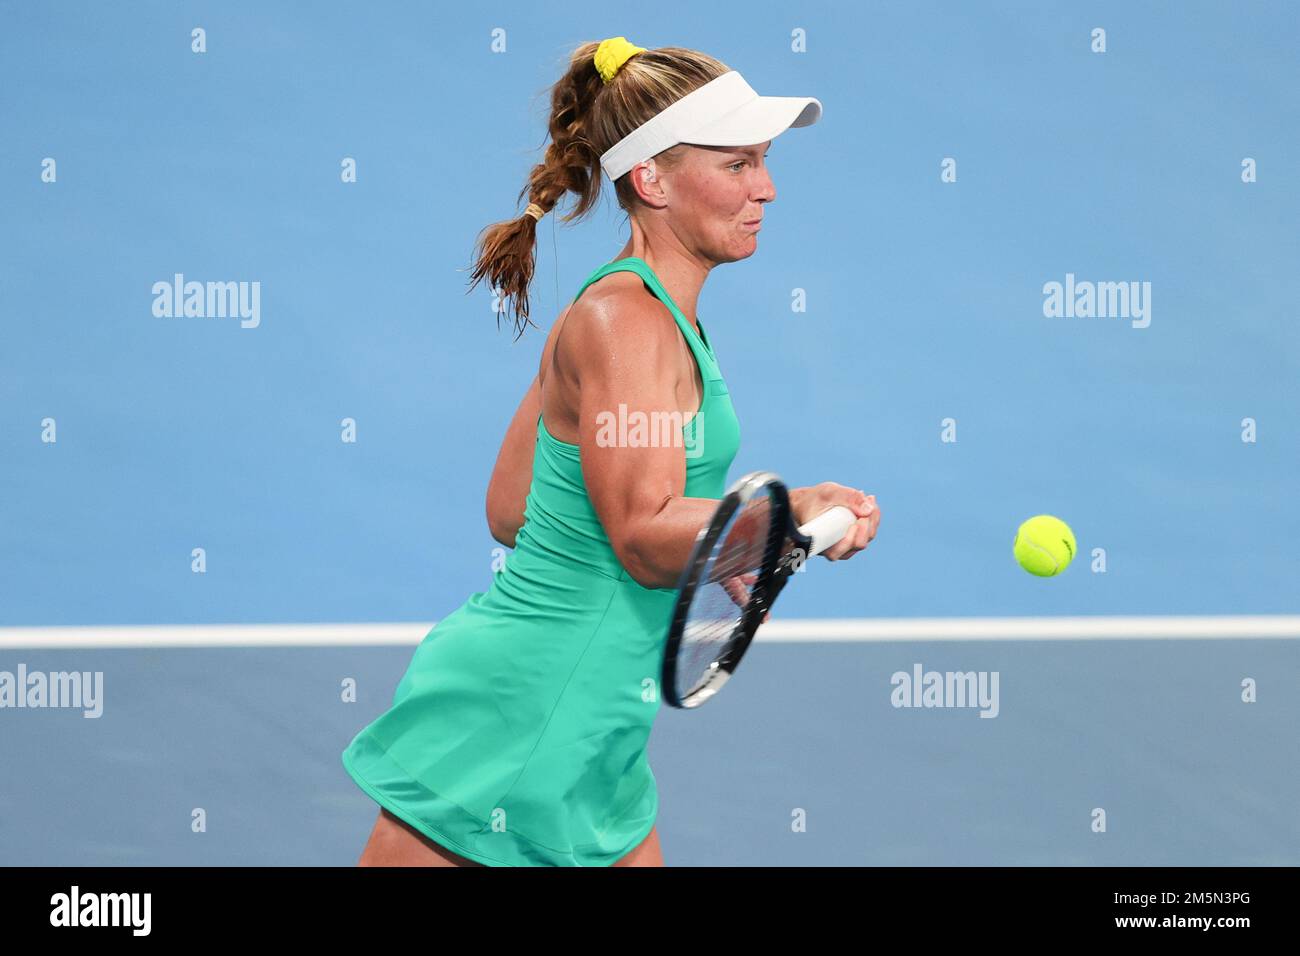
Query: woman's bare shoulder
618, 312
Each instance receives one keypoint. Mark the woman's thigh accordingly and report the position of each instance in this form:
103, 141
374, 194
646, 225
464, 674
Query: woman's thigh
645, 853
394, 842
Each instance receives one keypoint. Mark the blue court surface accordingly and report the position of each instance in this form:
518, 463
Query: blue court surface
182, 515
1152, 731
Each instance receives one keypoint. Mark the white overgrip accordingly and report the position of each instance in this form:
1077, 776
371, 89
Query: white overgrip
828, 527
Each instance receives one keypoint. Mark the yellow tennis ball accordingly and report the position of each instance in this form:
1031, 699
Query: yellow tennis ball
1044, 545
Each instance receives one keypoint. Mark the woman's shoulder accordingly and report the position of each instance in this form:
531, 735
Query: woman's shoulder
617, 311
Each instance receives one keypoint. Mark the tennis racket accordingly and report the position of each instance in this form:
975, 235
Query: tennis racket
741, 561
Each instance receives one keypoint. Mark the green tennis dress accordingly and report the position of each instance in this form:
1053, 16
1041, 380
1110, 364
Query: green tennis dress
517, 736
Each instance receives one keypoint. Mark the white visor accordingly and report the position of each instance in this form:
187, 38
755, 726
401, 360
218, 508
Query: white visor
723, 112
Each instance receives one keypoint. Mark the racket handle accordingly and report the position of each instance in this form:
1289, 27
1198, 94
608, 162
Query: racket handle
828, 527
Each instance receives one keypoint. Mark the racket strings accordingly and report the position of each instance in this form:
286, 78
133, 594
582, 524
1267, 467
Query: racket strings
727, 587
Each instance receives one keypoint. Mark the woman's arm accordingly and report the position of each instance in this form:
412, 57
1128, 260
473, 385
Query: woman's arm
626, 350
513, 473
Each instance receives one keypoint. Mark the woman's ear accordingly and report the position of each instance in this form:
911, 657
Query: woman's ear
647, 187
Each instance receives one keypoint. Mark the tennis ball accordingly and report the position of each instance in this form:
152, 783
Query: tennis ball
1044, 545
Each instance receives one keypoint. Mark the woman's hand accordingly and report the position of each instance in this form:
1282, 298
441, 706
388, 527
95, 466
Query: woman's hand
738, 587
807, 503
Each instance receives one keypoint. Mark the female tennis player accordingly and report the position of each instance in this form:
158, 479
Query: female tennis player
518, 734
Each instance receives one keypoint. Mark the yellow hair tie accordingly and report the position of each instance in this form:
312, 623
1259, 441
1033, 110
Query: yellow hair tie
612, 54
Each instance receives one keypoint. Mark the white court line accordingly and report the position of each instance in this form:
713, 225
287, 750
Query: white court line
791, 630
